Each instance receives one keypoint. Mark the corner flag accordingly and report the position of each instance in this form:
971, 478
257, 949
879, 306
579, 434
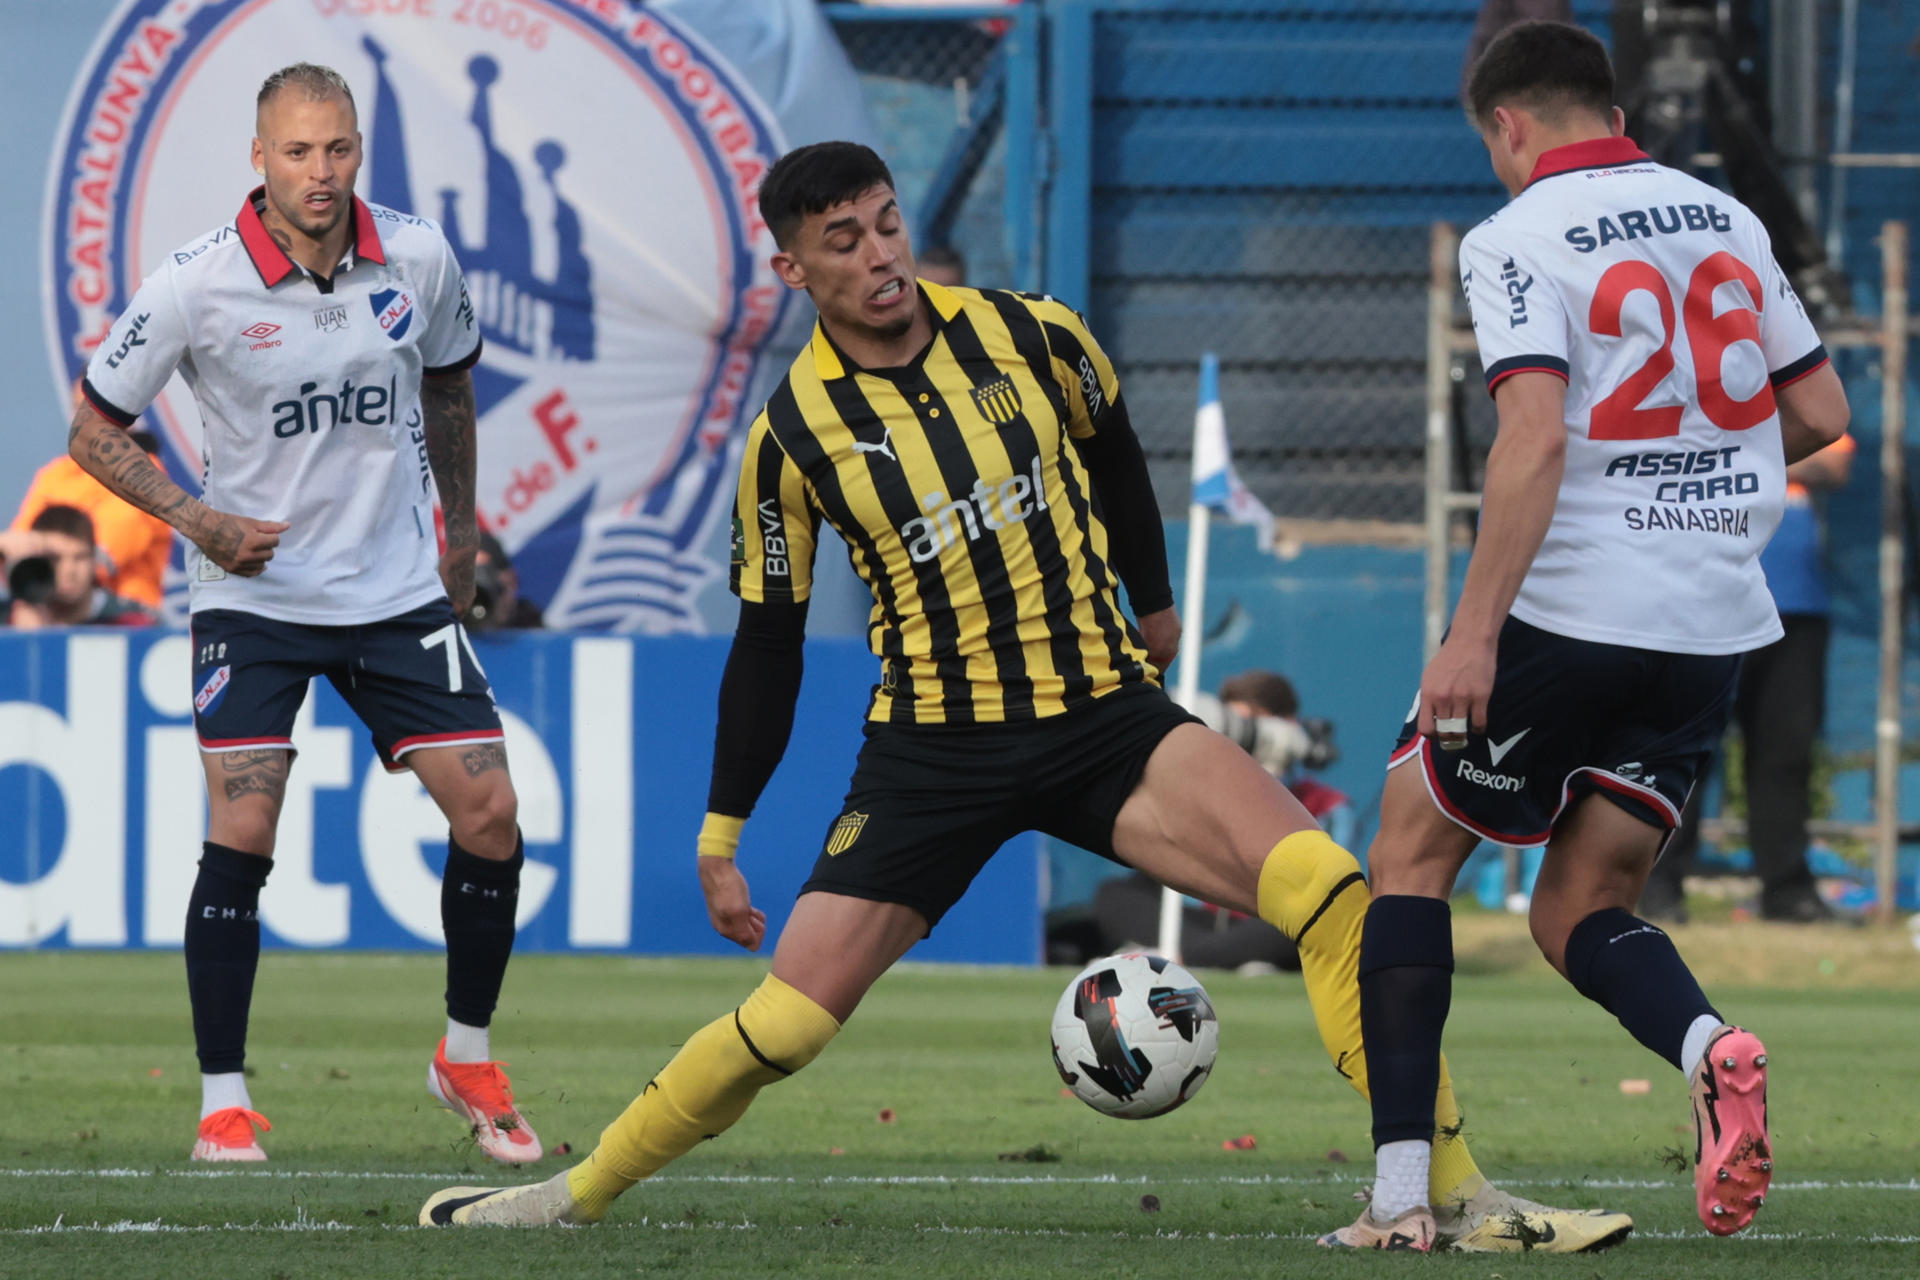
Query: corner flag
1216, 486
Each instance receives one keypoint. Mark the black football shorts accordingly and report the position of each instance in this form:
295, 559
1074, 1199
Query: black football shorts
929, 804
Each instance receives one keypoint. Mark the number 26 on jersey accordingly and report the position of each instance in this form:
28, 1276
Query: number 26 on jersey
1621, 416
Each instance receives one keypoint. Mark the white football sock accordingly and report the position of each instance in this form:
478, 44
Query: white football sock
1694, 1047
467, 1044
1400, 1177
227, 1089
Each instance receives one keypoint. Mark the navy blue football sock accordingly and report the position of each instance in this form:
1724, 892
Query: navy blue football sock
223, 951
1406, 988
477, 901
1630, 968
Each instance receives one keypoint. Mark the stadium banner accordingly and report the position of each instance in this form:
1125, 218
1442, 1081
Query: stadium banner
609, 739
594, 164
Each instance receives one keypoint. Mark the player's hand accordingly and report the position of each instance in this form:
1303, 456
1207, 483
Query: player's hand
1457, 684
239, 544
1161, 631
456, 574
734, 916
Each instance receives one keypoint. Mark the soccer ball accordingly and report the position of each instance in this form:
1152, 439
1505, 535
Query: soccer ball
1134, 1036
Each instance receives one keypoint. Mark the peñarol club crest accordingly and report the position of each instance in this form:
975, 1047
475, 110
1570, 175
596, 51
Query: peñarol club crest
594, 166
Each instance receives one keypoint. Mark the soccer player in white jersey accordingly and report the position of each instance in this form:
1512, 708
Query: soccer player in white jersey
1654, 375
327, 344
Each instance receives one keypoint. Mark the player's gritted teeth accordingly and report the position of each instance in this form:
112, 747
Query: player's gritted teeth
889, 295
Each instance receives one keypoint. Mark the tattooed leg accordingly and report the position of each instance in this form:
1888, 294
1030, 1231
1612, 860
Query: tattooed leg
245, 790
472, 787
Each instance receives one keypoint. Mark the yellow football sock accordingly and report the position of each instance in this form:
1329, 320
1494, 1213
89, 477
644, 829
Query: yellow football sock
1312, 890
705, 1088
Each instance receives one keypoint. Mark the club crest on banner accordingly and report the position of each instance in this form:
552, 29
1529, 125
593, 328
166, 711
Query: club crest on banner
593, 167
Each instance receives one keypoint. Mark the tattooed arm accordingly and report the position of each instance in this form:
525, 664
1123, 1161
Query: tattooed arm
446, 401
107, 453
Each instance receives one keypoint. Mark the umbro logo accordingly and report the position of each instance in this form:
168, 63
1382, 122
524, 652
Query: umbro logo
884, 446
262, 335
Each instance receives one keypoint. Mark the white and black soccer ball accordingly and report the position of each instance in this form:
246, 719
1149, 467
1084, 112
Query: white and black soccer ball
1134, 1036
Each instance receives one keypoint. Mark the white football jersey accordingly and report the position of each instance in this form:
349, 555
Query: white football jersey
309, 399
1657, 298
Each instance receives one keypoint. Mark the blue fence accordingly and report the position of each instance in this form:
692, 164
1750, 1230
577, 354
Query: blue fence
609, 741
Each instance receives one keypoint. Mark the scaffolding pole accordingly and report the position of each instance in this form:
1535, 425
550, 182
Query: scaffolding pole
1893, 490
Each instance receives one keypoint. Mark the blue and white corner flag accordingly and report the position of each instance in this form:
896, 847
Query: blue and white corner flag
1216, 485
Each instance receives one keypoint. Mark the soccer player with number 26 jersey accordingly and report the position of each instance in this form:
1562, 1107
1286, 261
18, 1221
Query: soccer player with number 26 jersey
1654, 375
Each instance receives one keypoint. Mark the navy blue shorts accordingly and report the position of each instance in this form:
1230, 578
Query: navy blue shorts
1570, 718
413, 680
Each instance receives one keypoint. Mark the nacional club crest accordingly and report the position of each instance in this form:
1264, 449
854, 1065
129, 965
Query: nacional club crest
594, 168
393, 312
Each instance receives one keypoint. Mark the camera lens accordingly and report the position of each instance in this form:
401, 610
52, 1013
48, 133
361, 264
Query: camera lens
30, 579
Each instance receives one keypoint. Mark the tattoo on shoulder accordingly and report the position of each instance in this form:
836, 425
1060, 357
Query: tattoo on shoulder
492, 755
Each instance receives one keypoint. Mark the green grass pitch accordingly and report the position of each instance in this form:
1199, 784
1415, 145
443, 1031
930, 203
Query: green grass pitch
95, 1052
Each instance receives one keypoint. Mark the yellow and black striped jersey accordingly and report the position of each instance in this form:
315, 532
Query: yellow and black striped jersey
963, 507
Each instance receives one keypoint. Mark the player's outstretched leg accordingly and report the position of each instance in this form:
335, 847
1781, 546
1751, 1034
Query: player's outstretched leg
1630, 968
834, 946
698, 1095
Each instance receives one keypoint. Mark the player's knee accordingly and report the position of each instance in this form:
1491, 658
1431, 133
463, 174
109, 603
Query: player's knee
782, 1028
488, 824
248, 828
1548, 924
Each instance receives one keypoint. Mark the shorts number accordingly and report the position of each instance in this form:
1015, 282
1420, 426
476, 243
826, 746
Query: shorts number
448, 638
1620, 416
453, 638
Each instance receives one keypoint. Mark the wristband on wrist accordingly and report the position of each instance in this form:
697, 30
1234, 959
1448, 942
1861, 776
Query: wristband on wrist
720, 835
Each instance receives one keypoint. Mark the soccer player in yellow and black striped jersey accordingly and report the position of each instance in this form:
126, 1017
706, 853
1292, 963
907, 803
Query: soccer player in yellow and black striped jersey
965, 510
972, 451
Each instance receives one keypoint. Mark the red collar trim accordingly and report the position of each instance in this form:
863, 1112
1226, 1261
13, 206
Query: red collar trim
366, 236
1595, 153
271, 261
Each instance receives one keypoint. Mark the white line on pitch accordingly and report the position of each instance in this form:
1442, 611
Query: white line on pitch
940, 1179
301, 1224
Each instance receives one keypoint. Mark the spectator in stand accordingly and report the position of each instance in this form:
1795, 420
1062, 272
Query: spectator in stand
50, 576
133, 545
1781, 703
942, 264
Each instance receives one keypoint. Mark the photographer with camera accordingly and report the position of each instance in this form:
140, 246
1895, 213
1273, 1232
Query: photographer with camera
50, 569
497, 602
1259, 711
